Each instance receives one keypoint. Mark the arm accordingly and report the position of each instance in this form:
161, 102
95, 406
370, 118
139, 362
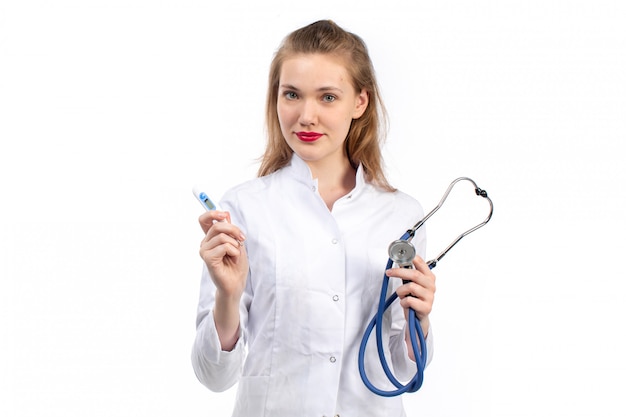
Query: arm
217, 354
215, 368
224, 254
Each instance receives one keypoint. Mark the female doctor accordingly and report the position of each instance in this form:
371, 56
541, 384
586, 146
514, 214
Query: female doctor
293, 266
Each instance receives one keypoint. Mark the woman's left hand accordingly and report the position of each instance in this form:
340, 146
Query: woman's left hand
419, 292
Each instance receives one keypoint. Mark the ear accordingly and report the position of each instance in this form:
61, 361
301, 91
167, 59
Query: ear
362, 100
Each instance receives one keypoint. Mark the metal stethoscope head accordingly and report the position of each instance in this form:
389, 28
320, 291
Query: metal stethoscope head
402, 251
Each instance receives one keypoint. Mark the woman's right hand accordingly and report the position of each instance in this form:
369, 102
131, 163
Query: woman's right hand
224, 253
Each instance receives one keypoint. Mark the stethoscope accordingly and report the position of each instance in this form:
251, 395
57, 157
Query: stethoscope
402, 252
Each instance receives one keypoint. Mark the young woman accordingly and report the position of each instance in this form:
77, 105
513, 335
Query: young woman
292, 275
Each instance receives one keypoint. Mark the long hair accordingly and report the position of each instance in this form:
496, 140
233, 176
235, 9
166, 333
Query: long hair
366, 134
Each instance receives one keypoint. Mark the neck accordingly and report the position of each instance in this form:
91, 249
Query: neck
333, 180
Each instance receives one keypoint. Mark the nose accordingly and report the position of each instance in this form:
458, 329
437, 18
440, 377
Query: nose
308, 113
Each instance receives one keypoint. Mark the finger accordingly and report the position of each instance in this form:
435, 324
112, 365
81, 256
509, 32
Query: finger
416, 297
416, 284
208, 218
217, 253
231, 250
421, 274
420, 264
411, 275
225, 228
421, 307
213, 240
416, 291
406, 274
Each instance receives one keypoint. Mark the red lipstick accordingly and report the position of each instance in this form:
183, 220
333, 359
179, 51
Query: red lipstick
309, 136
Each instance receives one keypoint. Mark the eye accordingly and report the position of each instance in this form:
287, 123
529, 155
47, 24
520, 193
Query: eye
290, 95
328, 98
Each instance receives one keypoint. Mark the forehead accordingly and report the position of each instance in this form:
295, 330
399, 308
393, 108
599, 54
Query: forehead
315, 70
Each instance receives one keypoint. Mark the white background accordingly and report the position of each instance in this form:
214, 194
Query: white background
111, 110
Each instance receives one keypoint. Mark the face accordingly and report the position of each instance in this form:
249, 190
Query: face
316, 105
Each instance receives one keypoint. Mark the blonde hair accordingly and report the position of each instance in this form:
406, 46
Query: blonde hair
366, 134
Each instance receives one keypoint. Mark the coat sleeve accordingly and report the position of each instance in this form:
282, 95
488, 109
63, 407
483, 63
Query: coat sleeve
216, 369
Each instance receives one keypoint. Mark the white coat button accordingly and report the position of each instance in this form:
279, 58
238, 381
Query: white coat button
335, 297
313, 188
333, 359
335, 241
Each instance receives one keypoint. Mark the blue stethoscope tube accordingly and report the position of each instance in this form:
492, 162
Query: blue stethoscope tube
402, 253
418, 343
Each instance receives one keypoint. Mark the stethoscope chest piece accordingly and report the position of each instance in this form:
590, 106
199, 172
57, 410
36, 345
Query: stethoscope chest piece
402, 252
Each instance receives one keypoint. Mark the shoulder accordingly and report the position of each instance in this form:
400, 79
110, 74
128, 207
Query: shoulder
406, 206
255, 194
399, 201
246, 192
246, 188
405, 200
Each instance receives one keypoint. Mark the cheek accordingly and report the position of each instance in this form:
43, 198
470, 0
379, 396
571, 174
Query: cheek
342, 123
285, 116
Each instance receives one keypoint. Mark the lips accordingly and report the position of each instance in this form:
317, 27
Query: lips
309, 136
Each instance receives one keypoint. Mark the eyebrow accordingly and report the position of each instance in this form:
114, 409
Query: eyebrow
321, 89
